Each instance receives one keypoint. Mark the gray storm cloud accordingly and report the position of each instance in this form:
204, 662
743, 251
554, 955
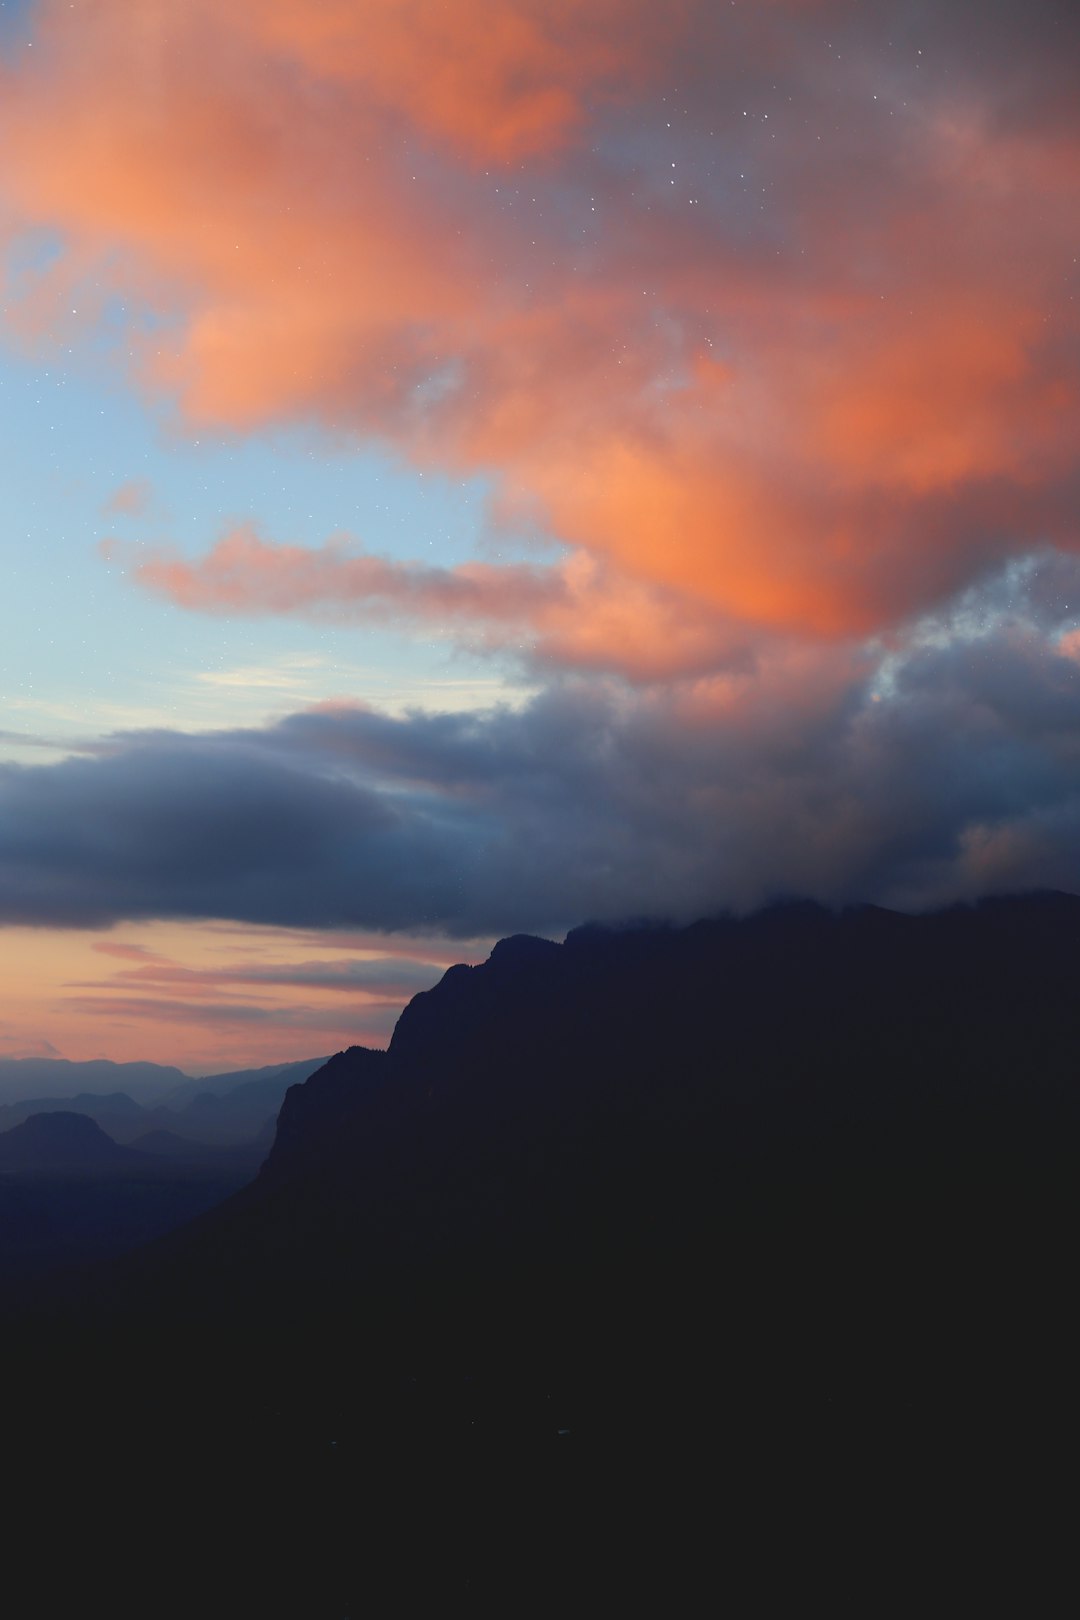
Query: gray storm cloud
938, 770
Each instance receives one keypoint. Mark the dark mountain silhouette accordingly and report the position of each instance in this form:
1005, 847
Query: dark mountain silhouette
618, 1098
314, 1112
628, 1079
773, 1220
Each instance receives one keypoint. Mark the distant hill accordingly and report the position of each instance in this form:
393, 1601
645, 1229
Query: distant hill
275, 1075
240, 1113
63, 1142
115, 1112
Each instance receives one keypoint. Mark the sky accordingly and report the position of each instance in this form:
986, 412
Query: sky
477, 468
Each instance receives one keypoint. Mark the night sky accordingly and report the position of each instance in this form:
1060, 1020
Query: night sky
472, 467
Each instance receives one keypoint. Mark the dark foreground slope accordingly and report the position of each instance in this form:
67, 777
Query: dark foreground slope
722, 1241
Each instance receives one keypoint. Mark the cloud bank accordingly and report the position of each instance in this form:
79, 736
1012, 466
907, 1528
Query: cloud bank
942, 769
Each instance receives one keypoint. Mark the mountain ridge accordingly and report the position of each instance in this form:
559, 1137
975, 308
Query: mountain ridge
27, 1079
703, 1064
226, 1115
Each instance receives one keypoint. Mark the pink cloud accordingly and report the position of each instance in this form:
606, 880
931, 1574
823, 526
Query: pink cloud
578, 613
809, 374
130, 499
126, 953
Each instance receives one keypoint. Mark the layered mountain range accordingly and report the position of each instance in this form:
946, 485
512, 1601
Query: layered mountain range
89, 1176
221, 1109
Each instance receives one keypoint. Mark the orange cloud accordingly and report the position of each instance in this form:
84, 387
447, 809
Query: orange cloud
808, 373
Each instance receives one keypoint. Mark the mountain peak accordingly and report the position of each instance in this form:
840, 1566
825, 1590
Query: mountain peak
61, 1142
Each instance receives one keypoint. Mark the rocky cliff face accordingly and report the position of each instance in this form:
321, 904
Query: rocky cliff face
863, 1032
866, 1107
